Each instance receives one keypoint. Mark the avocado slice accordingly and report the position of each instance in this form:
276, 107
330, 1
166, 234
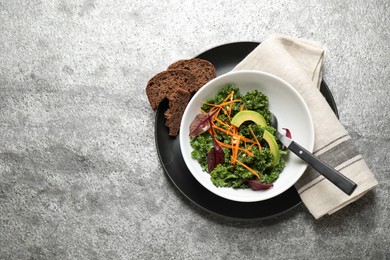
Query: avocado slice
248, 115
273, 146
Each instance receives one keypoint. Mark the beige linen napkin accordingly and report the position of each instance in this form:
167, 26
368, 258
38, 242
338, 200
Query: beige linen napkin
299, 62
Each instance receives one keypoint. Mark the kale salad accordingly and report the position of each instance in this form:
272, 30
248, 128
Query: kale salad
233, 141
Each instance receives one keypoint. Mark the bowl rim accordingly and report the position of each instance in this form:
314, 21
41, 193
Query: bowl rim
188, 159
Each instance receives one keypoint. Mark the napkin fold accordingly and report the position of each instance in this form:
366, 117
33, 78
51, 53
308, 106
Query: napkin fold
299, 62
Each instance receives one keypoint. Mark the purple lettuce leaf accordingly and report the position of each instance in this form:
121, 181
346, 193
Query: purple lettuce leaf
201, 123
257, 185
215, 156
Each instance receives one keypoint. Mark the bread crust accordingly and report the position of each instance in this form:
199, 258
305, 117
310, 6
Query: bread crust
177, 104
203, 70
164, 83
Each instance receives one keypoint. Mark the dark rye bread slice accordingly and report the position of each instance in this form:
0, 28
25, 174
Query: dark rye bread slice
164, 83
177, 104
203, 70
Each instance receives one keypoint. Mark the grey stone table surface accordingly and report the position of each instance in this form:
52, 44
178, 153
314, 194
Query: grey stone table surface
80, 176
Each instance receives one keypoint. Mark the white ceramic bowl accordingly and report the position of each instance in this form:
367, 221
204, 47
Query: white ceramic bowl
284, 102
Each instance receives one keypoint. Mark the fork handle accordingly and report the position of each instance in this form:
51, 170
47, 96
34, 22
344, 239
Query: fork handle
341, 181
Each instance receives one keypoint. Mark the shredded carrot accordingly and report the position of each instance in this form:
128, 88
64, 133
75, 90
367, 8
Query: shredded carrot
249, 169
222, 129
242, 138
230, 96
223, 103
229, 146
235, 144
222, 122
226, 112
224, 145
257, 141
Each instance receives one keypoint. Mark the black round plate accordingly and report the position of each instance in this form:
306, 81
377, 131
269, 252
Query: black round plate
224, 58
